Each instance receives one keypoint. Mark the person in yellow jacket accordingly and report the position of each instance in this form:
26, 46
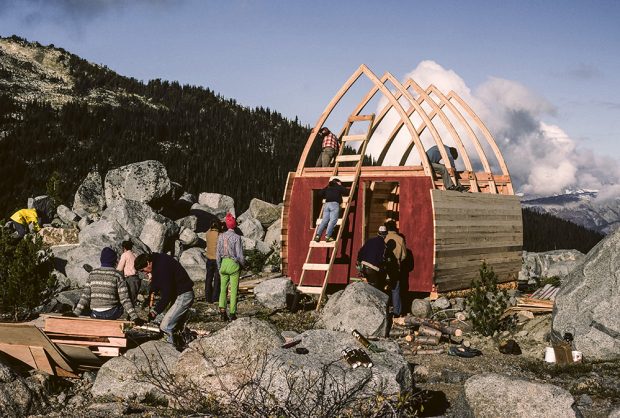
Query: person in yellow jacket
25, 220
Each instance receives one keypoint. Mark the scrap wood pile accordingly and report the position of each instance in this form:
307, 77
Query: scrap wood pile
532, 305
424, 335
105, 338
65, 346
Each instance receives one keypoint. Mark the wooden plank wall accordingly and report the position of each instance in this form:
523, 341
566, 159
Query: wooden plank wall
383, 205
288, 188
471, 228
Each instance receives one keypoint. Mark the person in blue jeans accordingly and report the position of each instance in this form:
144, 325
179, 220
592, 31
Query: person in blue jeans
331, 209
171, 281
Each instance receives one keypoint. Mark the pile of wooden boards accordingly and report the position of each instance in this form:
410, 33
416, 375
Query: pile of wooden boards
531, 305
104, 338
65, 346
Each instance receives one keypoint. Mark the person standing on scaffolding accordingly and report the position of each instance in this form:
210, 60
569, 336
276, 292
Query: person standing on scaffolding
329, 148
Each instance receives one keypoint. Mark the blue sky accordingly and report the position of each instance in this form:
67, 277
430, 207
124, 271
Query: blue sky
292, 56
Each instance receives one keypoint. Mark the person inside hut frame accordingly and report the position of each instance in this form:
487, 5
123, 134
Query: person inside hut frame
329, 148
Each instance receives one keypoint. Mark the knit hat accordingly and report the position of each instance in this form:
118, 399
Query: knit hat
382, 230
108, 257
231, 223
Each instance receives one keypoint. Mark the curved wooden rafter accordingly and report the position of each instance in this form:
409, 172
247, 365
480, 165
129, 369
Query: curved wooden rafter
386, 92
328, 110
437, 108
483, 129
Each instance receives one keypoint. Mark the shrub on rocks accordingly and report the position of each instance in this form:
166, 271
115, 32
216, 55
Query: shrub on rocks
221, 363
321, 383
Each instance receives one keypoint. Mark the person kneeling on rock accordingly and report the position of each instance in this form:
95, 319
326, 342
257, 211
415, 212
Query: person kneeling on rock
106, 292
171, 281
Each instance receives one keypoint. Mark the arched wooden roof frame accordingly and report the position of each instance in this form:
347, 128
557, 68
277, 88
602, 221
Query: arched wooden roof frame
415, 105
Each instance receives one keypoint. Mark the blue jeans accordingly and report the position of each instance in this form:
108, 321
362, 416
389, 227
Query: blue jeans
331, 210
112, 313
395, 295
177, 314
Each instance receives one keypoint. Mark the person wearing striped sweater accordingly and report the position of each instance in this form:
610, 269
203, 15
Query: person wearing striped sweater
106, 292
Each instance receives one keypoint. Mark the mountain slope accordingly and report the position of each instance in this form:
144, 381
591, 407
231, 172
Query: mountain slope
60, 113
581, 208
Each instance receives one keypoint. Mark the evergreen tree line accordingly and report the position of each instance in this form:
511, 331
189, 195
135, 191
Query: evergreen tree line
545, 232
206, 142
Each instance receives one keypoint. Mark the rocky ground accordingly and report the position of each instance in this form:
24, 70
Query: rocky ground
440, 379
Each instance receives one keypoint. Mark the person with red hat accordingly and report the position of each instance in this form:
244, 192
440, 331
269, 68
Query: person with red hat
230, 259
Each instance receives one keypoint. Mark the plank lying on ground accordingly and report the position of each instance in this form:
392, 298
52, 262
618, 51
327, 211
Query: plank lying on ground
88, 341
16, 340
85, 326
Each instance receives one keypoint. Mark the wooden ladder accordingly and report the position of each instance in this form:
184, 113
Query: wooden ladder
351, 181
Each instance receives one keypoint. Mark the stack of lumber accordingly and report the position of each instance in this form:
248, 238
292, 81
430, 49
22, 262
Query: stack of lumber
532, 305
104, 338
548, 292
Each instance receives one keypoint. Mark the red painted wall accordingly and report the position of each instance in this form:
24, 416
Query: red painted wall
415, 219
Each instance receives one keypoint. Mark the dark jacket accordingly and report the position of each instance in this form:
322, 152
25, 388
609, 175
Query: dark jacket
372, 251
334, 192
169, 278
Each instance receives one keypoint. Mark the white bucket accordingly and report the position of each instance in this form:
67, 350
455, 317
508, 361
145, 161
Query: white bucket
549, 355
577, 356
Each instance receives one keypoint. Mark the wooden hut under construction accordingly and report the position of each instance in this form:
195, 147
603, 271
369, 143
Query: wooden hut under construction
383, 160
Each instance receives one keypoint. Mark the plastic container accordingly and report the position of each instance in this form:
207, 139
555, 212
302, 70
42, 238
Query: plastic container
549, 355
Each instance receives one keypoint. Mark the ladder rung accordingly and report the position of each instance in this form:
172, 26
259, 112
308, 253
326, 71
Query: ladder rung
338, 222
358, 118
361, 137
344, 179
314, 266
323, 244
314, 290
344, 158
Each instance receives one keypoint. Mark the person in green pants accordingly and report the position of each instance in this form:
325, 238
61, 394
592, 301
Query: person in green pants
229, 257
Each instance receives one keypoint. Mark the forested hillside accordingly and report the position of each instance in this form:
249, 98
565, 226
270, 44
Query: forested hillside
206, 142
544, 232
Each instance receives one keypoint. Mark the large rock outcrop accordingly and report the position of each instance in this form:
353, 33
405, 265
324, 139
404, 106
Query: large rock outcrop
323, 377
557, 263
587, 303
277, 293
145, 181
19, 397
89, 197
217, 204
221, 363
497, 396
359, 306
136, 374
266, 213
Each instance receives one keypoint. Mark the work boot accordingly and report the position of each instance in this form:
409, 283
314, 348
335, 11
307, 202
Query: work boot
232, 317
223, 315
317, 238
329, 239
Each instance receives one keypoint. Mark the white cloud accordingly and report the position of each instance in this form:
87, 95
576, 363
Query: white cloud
541, 157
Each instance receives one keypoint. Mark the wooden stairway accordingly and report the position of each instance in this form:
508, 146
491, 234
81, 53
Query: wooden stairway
350, 181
